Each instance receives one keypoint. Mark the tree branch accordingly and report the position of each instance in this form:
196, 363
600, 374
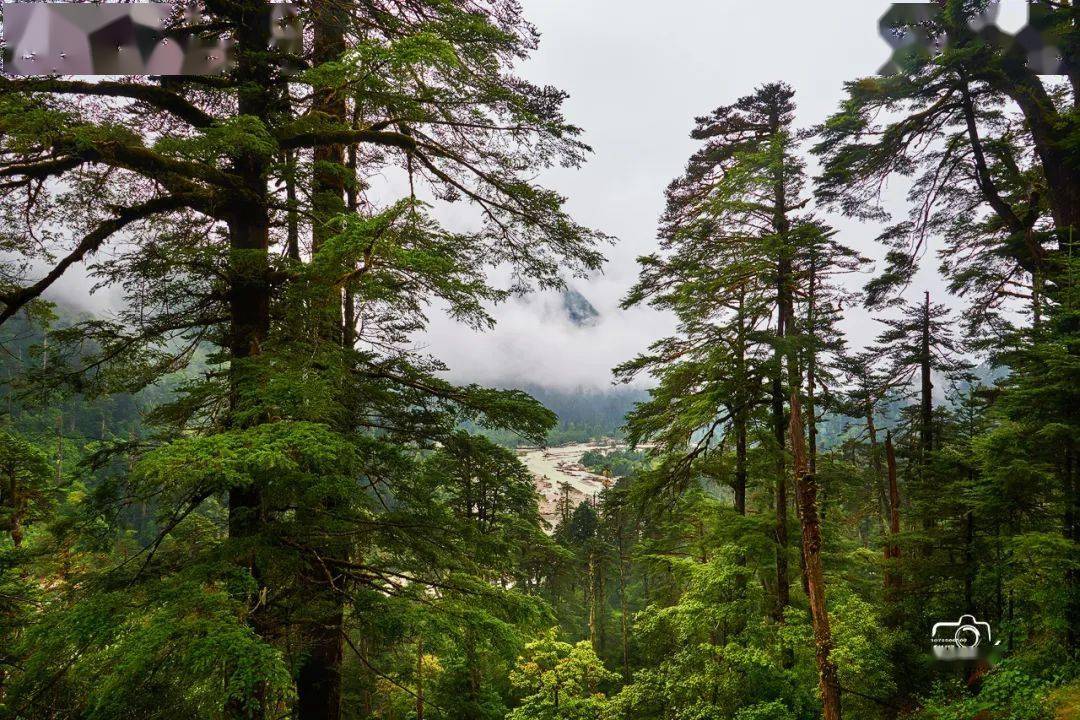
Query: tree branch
94, 240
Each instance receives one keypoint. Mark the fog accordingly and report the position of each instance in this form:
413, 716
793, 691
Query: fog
638, 73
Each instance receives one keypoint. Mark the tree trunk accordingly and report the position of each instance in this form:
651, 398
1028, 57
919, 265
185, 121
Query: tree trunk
16, 504
319, 679
249, 313
623, 626
740, 462
806, 502
784, 318
811, 368
420, 678
592, 600
926, 415
1047, 127
879, 475
741, 410
892, 549
969, 560
1071, 528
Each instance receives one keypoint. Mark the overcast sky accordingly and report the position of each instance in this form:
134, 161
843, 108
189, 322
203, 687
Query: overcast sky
638, 72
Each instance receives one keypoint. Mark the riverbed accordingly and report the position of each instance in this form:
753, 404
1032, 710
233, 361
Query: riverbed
554, 466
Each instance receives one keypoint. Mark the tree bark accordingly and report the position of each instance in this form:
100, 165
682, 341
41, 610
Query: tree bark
892, 549
1071, 527
16, 504
319, 679
926, 415
783, 319
249, 313
806, 502
623, 625
880, 481
593, 636
741, 410
420, 678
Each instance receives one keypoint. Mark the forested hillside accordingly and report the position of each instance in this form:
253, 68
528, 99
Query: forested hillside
248, 492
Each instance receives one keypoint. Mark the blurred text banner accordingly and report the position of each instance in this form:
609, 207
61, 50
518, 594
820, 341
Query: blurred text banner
129, 39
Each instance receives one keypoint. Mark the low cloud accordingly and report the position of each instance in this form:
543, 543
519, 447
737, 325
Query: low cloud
534, 342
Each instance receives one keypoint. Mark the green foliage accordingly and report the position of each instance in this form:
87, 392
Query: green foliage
559, 681
616, 463
310, 498
25, 491
1007, 693
241, 133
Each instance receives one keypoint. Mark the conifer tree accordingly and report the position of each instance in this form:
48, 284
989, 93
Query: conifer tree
220, 263
728, 274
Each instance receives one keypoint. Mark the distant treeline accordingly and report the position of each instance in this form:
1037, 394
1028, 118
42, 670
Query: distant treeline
584, 414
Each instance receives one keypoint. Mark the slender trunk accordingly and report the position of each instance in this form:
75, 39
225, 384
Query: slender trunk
969, 559
292, 246
348, 331
893, 578
1036, 285
926, 415
623, 626
875, 460
806, 502
740, 462
16, 504
783, 592
420, 678
811, 370
741, 409
926, 419
600, 602
1071, 528
59, 446
892, 549
592, 600
473, 667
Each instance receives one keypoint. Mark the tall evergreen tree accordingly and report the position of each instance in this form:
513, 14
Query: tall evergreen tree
213, 204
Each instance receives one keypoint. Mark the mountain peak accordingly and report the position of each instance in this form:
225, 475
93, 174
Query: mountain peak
578, 309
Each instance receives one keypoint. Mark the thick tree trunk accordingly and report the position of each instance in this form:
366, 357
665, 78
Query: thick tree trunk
249, 317
318, 683
319, 679
806, 502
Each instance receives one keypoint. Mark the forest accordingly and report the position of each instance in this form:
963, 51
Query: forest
247, 493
